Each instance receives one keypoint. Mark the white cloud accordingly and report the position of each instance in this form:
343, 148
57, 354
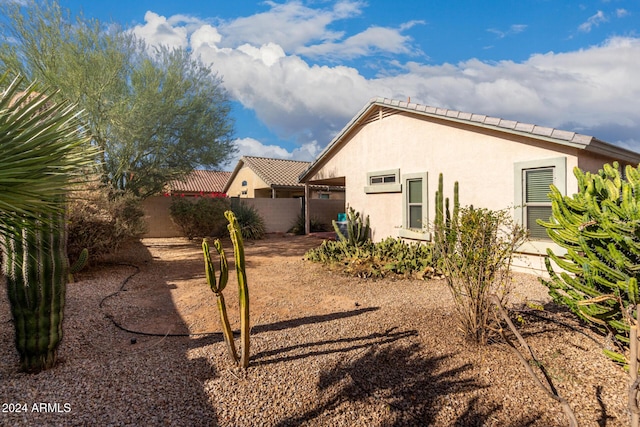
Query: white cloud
593, 21
620, 13
592, 90
251, 147
290, 25
158, 30
513, 29
372, 40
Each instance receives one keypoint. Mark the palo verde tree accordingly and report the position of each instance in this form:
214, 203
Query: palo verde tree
155, 113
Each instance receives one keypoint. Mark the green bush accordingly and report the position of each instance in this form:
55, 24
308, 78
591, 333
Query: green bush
390, 257
477, 247
315, 224
200, 217
251, 223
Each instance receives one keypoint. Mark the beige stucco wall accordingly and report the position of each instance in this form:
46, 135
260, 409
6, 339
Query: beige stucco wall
481, 160
253, 181
157, 218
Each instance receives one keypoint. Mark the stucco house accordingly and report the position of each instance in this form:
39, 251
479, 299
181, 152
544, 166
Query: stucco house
389, 157
199, 183
262, 177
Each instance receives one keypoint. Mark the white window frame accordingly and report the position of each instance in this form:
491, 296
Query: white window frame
559, 166
411, 233
387, 181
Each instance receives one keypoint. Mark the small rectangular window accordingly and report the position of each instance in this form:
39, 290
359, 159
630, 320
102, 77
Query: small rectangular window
387, 181
382, 179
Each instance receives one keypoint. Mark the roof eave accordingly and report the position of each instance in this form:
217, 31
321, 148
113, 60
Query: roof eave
233, 175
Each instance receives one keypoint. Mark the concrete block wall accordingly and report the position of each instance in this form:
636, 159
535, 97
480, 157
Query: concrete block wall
279, 214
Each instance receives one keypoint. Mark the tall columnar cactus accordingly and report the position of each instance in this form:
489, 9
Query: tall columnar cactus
243, 289
36, 268
446, 223
600, 229
358, 230
217, 286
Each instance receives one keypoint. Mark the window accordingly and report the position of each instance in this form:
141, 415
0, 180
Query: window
536, 203
415, 222
414, 203
383, 182
532, 181
382, 179
324, 196
244, 183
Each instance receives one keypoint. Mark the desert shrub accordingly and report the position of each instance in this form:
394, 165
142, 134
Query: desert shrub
477, 247
100, 220
251, 223
200, 217
315, 225
390, 257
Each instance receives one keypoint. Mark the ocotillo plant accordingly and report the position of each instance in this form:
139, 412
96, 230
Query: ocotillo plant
243, 289
600, 229
217, 287
358, 231
36, 267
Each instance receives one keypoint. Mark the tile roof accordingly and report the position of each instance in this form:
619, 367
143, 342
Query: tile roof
489, 121
391, 106
201, 181
276, 172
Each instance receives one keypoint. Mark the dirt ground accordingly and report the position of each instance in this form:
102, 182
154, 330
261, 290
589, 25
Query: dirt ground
327, 350
178, 264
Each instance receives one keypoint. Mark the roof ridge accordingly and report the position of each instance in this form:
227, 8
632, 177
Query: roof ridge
487, 120
275, 158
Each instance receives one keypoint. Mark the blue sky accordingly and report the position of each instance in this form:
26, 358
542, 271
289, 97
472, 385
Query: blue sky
298, 71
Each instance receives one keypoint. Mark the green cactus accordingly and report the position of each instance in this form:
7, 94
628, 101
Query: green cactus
36, 268
358, 231
80, 263
217, 287
446, 223
600, 229
243, 289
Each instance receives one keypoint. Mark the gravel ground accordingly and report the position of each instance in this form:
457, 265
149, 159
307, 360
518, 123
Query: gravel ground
326, 351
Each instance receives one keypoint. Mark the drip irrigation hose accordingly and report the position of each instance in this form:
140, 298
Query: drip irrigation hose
125, 329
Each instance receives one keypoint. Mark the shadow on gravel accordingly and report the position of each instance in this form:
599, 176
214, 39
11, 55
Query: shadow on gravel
412, 389
286, 324
334, 346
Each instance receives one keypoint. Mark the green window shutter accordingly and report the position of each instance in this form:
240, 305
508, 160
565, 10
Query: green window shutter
537, 203
537, 212
537, 185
